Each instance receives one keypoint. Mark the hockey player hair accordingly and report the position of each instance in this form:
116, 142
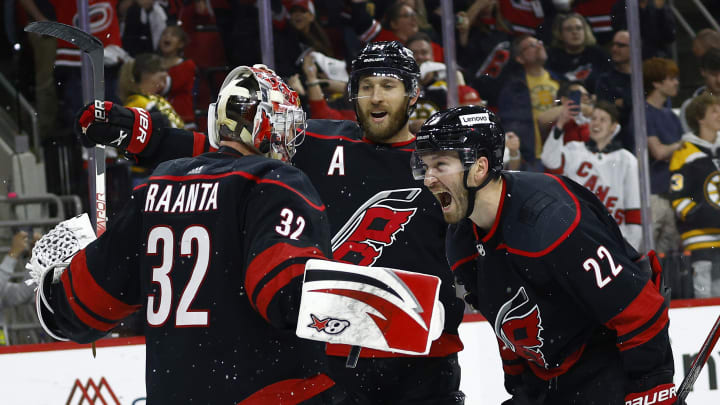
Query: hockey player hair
470, 131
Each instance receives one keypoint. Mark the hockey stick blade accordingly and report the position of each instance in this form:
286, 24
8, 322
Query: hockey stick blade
86, 42
698, 363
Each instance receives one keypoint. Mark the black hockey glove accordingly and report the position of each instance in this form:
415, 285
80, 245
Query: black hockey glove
128, 129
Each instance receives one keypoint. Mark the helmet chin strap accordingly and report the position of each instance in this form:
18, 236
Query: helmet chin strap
472, 191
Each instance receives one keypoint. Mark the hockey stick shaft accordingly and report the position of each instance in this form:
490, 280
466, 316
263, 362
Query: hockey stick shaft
94, 49
96, 155
698, 363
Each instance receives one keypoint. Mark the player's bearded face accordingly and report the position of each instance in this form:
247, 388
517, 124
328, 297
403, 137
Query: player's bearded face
382, 105
444, 178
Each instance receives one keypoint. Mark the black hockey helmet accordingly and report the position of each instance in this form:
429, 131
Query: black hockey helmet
472, 131
387, 58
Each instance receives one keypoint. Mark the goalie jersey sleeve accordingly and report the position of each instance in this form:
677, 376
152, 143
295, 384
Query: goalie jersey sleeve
212, 251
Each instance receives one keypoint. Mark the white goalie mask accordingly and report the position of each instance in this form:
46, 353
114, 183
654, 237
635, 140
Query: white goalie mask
257, 108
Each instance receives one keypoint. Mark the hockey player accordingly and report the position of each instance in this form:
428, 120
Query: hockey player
212, 250
379, 215
576, 311
694, 185
601, 165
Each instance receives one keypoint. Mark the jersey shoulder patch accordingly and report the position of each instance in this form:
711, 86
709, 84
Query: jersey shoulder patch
542, 212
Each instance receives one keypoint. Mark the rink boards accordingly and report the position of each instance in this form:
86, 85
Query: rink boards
46, 374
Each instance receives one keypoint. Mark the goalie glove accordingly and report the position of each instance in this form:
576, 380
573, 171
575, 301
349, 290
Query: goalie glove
56, 248
128, 129
374, 307
51, 255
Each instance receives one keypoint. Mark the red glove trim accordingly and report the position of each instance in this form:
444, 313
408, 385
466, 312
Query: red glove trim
142, 130
88, 115
661, 395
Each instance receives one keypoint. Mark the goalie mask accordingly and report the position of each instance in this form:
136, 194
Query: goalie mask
257, 108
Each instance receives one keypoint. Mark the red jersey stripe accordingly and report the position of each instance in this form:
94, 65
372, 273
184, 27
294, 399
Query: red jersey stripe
268, 291
93, 296
273, 257
320, 207
293, 391
635, 315
463, 261
647, 334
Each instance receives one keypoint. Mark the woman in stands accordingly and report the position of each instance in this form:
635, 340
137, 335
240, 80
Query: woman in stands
574, 54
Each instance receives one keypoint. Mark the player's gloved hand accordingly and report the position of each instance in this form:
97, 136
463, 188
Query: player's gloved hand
663, 394
128, 129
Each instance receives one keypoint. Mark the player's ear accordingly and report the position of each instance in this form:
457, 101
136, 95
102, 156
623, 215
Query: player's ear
480, 169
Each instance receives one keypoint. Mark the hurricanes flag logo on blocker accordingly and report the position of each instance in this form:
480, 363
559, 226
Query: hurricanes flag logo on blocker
518, 325
373, 226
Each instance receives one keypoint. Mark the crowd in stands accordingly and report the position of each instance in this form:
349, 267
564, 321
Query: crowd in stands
557, 72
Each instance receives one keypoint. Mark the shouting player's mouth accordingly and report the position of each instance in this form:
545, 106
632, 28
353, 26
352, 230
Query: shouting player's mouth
445, 199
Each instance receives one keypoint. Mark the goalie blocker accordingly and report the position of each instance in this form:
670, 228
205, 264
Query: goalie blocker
374, 307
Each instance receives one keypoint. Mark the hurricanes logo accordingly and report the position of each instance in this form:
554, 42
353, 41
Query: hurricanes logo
328, 325
373, 226
518, 325
712, 189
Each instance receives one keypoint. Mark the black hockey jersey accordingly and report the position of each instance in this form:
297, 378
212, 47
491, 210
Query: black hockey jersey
379, 215
555, 279
695, 192
211, 250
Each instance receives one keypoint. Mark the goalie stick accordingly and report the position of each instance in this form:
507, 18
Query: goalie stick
94, 49
698, 363
96, 155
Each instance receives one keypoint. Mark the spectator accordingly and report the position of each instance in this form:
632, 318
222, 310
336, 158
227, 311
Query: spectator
657, 26
68, 57
13, 294
295, 36
399, 24
663, 132
574, 54
484, 40
615, 85
710, 71
144, 23
598, 14
577, 128
433, 87
141, 82
705, 39
601, 165
694, 193
314, 89
181, 73
527, 101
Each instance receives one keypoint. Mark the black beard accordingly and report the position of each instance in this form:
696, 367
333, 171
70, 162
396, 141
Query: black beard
397, 122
